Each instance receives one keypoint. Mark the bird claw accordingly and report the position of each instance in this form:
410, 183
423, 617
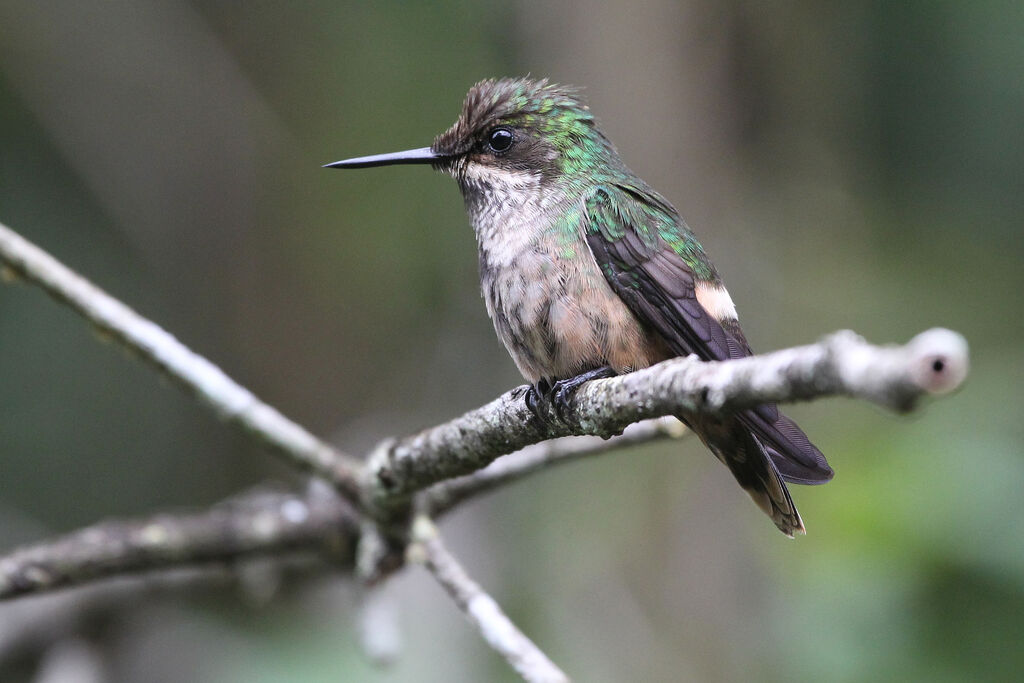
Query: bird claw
535, 398
559, 394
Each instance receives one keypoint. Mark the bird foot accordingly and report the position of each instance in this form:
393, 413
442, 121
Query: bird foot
559, 393
563, 389
536, 396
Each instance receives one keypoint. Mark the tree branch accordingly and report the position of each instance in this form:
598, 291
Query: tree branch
933, 362
482, 611
449, 462
259, 523
263, 522
442, 497
843, 363
190, 371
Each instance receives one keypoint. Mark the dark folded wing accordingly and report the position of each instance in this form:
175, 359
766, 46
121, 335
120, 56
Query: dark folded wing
628, 239
653, 263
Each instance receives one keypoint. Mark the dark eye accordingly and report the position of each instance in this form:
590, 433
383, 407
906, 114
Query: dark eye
500, 140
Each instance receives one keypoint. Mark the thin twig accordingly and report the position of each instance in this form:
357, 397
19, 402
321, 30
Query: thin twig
483, 612
442, 497
195, 374
259, 523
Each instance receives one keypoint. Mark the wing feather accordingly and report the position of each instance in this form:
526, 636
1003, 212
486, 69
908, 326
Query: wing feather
654, 263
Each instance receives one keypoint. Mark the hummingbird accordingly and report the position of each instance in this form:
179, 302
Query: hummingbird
587, 272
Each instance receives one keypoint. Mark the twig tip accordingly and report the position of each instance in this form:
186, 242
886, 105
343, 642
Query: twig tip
941, 360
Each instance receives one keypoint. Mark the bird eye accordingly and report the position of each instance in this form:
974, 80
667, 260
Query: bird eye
500, 140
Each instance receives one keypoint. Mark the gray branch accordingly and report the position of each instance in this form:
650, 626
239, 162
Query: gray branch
933, 362
190, 371
482, 611
442, 497
260, 523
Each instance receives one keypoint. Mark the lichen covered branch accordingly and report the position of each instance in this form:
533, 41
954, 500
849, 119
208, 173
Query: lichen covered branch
443, 496
934, 362
259, 523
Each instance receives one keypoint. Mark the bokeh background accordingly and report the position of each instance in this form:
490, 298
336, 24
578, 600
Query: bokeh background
847, 165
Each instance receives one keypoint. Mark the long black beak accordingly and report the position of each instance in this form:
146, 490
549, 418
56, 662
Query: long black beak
423, 155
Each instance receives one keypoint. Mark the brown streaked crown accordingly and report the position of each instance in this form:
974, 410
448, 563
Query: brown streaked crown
547, 120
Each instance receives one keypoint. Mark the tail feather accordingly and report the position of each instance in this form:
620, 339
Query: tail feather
750, 462
795, 457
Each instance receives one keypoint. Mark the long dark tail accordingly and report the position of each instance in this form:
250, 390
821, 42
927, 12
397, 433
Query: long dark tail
735, 445
763, 455
795, 457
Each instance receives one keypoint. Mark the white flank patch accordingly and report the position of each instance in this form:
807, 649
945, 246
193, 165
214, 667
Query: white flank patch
716, 301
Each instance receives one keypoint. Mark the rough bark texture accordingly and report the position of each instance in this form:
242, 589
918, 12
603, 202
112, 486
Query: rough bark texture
933, 362
257, 524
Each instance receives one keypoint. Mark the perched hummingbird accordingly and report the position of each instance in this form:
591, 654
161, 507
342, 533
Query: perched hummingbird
587, 272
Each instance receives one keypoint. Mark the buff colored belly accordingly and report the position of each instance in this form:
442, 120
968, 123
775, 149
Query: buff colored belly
558, 317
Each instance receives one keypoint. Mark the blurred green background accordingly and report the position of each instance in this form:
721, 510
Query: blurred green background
846, 164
